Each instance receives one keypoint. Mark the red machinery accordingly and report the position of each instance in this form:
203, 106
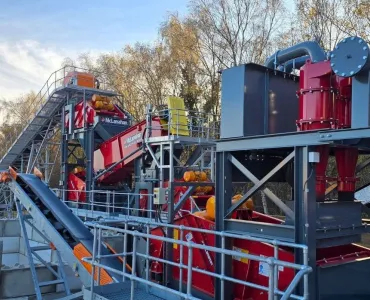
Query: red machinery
325, 103
112, 151
243, 269
94, 108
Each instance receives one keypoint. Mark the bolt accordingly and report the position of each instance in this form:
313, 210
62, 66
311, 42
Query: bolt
352, 72
343, 74
360, 41
352, 38
332, 64
322, 136
328, 135
359, 66
335, 71
364, 57
364, 48
332, 55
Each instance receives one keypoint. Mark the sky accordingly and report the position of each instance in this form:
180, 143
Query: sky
36, 35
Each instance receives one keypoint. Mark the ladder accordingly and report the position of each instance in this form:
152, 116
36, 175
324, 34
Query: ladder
32, 252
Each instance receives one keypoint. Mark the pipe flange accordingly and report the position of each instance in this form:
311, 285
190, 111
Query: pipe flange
350, 57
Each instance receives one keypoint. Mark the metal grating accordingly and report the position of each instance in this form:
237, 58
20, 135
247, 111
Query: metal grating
52, 105
125, 293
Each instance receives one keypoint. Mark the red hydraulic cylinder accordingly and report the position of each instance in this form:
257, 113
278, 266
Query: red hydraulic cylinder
317, 111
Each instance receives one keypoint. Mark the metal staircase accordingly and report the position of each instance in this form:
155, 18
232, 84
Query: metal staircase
32, 253
49, 228
24, 148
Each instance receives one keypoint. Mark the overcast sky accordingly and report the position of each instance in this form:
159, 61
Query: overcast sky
37, 34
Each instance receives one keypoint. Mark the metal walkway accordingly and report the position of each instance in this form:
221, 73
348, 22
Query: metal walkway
122, 291
24, 149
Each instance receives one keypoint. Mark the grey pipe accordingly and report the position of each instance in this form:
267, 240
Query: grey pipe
310, 48
295, 63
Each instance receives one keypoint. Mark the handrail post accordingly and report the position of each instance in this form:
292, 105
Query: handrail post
124, 252
99, 252
190, 269
147, 256
222, 264
271, 280
133, 270
93, 265
181, 257
276, 270
305, 276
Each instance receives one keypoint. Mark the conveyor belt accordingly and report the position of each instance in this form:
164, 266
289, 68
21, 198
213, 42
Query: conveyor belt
38, 198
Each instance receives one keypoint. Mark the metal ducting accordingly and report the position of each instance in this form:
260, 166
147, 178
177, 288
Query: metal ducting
310, 48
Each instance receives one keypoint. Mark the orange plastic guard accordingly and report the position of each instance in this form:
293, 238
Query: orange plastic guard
80, 252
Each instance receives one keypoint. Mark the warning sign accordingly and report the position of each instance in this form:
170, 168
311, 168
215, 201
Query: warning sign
238, 258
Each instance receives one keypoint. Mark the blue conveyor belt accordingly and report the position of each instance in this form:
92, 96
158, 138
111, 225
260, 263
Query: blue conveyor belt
74, 226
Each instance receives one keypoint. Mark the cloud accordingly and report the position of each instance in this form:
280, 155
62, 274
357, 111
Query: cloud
26, 65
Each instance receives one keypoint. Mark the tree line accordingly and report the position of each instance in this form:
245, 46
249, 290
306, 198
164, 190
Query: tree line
189, 51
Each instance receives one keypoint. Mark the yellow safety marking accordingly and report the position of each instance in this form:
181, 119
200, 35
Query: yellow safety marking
241, 259
175, 237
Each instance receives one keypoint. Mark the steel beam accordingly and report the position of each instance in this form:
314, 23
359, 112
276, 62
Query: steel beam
259, 184
183, 198
180, 183
267, 192
293, 139
305, 215
223, 290
259, 229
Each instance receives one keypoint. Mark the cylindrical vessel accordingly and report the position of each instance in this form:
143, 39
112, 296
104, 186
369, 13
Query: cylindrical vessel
317, 111
343, 101
316, 97
346, 158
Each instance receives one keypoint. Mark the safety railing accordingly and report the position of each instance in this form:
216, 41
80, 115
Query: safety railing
111, 204
55, 80
187, 269
189, 123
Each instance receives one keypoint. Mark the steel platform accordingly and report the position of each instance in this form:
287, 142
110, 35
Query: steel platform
122, 291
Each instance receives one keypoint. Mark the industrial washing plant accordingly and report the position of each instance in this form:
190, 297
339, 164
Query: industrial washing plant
165, 183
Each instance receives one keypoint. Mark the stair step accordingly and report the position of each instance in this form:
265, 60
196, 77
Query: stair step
46, 283
40, 248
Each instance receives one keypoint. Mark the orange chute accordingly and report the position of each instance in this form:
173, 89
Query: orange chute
80, 252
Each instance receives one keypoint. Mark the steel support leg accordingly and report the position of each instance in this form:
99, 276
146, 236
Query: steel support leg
64, 158
29, 251
171, 211
305, 215
89, 153
223, 290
